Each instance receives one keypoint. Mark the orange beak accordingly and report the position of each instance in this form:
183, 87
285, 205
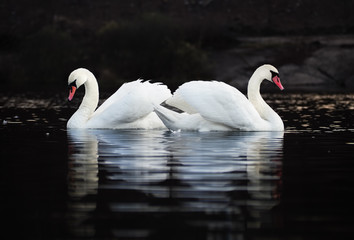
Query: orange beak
277, 82
72, 91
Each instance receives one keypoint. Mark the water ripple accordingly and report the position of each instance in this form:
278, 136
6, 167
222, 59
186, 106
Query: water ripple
187, 172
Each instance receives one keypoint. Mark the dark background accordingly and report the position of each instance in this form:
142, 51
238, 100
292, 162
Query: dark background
310, 42
41, 42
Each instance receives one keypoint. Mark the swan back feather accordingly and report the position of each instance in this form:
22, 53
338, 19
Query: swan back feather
216, 102
132, 101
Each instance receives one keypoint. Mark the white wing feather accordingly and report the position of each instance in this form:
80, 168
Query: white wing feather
132, 101
216, 102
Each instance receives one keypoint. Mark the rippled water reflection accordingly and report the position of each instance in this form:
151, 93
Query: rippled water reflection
229, 176
114, 184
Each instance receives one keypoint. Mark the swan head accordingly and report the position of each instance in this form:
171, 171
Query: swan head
271, 74
77, 78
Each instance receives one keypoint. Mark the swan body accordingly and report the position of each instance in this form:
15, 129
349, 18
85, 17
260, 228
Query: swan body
131, 106
216, 106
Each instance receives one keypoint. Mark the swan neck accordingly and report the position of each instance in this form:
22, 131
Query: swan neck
88, 104
91, 97
253, 89
254, 96
264, 110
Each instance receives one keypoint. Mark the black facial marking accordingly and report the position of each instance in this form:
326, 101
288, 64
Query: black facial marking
73, 84
274, 74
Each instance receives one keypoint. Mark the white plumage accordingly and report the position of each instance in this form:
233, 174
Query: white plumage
216, 106
131, 106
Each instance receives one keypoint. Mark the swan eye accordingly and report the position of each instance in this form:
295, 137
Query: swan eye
274, 75
72, 84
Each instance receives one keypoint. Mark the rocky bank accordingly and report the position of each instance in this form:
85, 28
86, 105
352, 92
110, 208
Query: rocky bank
321, 63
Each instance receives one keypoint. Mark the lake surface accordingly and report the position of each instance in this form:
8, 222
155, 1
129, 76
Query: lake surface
136, 184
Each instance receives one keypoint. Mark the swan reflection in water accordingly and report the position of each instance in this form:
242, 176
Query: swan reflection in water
82, 179
147, 172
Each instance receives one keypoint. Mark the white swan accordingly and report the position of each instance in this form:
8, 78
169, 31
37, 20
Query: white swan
131, 106
216, 106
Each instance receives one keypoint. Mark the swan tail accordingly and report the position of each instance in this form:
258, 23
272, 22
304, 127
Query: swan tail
168, 117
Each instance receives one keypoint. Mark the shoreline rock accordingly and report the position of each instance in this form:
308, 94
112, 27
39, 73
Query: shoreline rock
321, 63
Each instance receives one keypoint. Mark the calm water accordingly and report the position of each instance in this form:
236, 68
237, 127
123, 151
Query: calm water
110, 184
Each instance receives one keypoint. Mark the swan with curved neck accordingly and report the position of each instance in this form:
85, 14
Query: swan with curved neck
216, 106
131, 106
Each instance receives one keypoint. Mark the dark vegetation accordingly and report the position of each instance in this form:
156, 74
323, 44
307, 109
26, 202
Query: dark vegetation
41, 42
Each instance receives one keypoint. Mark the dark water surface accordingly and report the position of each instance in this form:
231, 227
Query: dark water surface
110, 184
